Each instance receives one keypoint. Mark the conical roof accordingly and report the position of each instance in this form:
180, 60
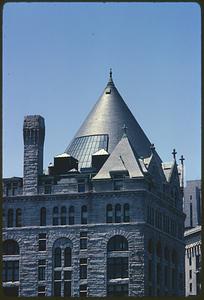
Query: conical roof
105, 126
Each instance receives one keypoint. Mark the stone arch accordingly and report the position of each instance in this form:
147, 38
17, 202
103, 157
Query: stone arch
118, 232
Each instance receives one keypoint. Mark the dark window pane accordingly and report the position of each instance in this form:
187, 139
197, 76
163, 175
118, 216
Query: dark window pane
67, 288
117, 290
57, 288
57, 275
83, 271
83, 243
84, 215
41, 273
43, 216
10, 218
67, 257
18, 217
67, 275
118, 213
42, 245
10, 291
126, 217
10, 247
57, 257
109, 214
117, 243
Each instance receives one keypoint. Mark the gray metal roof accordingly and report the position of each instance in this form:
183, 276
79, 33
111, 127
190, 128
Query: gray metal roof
123, 158
108, 116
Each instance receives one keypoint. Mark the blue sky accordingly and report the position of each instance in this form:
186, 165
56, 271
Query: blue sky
56, 60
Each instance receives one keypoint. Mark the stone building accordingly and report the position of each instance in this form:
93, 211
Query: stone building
192, 203
193, 261
192, 237
107, 219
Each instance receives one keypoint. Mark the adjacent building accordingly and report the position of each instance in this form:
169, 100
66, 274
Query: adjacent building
107, 219
192, 236
192, 203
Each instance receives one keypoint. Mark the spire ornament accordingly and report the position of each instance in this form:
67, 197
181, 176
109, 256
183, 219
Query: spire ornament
124, 130
111, 74
174, 154
152, 148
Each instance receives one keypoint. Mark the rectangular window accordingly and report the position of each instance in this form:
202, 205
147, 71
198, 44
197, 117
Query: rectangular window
41, 291
83, 268
42, 242
198, 262
117, 267
57, 288
81, 186
117, 290
118, 185
57, 275
67, 275
67, 288
83, 240
47, 189
190, 261
41, 269
10, 271
83, 290
190, 287
190, 274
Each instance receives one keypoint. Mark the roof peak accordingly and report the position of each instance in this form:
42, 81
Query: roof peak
110, 82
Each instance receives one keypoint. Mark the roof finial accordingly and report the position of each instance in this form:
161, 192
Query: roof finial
152, 148
111, 74
174, 154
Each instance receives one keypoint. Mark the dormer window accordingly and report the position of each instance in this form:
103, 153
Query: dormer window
118, 184
81, 186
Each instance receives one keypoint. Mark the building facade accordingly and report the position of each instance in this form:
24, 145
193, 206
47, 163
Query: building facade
106, 220
193, 261
192, 237
192, 203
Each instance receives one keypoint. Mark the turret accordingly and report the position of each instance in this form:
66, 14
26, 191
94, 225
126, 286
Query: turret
33, 135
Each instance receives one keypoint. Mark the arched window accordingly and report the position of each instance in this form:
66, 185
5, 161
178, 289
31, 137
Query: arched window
62, 267
150, 246
43, 216
159, 250
55, 216
63, 215
117, 266
18, 217
109, 214
67, 257
10, 218
71, 215
10, 247
117, 213
84, 214
118, 243
126, 215
57, 257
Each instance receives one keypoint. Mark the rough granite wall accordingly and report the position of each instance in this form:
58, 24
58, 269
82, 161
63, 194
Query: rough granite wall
33, 133
96, 253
